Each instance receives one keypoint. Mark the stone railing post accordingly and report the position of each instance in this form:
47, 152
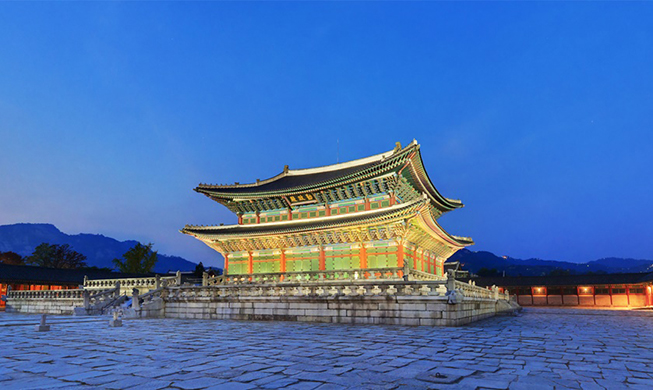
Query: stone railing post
496, 292
451, 281
135, 304
178, 275
117, 293
406, 271
205, 279
87, 299
157, 282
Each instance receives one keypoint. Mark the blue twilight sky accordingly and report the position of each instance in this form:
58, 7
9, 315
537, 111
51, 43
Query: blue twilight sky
537, 115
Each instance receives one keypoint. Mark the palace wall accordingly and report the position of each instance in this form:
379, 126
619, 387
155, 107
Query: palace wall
602, 300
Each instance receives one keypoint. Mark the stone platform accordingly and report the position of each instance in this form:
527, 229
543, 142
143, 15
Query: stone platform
541, 349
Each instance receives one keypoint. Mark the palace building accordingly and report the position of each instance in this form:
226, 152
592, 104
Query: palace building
367, 216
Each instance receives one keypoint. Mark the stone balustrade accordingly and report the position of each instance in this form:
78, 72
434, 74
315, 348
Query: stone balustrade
338, 288
414, 274
308, 276
402, 302
45, 301
471, 290
128, 284
46, 294
372, 296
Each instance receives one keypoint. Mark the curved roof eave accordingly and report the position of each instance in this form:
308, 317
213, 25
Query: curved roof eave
325, 175
427, 219
428, 186
372, 217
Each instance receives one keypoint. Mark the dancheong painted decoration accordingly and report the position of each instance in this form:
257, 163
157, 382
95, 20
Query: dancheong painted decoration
364, 217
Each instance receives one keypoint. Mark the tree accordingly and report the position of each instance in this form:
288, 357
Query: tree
199, 270
11, 258
488, 272
56, 256
138, 260
559, 272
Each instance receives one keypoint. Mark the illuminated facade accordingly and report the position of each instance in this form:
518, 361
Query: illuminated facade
373, 213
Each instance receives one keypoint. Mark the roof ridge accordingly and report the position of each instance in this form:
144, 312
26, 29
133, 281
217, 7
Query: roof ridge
307, 171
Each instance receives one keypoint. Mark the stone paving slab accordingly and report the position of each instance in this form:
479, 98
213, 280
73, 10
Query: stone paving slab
541, 349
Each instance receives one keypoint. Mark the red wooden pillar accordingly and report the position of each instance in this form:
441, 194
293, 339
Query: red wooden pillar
240, 219
367, 204
289, 214
422, 260
283, 261
628, 294
393, 199
327, 209
258, 217
226, 263
400, 255
594, 294
322, 259
363, 256
610, 291
250, 264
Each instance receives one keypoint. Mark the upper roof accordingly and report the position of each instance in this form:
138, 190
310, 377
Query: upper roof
294, 181
296, 178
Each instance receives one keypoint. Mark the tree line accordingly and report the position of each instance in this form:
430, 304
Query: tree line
138, 259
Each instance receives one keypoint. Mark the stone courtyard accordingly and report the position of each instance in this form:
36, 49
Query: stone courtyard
540, 349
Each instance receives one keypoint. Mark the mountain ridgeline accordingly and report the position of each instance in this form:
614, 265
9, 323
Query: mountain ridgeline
99, 250
475, 261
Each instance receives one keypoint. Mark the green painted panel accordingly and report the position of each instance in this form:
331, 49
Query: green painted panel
377, 261
392, 260
237, 268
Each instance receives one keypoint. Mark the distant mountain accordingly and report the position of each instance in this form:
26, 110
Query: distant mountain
99, 250
474, 261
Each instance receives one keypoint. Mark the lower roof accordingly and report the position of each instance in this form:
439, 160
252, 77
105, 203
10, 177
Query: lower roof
301, 225
26, 274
